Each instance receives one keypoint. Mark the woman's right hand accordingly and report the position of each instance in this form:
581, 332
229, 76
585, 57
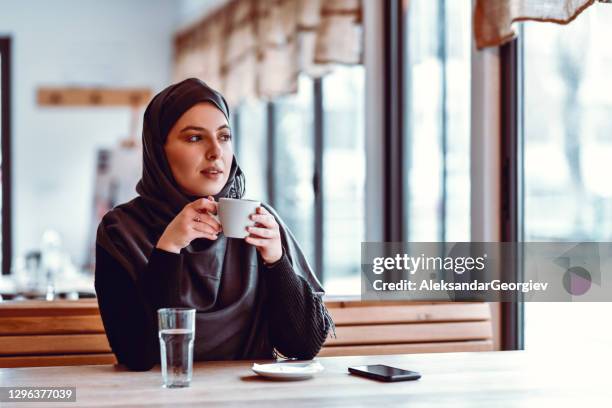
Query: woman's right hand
194, 221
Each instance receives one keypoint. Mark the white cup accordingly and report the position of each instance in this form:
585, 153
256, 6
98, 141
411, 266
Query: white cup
233, 214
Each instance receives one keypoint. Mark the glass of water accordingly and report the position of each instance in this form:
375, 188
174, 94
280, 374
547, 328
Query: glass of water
176, 334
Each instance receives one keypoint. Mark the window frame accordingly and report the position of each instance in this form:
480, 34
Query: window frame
511, 182
5, 141
317, 178
394, 194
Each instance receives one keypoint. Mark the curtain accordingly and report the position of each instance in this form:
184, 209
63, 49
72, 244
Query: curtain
493, 19
256, 49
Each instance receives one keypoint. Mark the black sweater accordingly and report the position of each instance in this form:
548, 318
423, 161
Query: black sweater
298, 321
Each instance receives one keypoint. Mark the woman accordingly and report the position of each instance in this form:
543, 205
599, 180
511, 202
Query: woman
253, 297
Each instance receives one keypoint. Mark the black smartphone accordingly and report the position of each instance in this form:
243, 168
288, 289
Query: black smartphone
384, 373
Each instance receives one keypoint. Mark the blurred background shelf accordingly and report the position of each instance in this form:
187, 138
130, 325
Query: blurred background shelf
86, 96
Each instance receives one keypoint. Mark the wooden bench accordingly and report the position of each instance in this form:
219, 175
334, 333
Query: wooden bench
368, 328
39, 333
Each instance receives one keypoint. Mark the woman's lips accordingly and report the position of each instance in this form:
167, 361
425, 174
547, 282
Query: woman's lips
212, 174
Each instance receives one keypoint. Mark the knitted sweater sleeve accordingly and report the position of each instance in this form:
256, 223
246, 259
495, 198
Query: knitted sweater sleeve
299, 321
128, 310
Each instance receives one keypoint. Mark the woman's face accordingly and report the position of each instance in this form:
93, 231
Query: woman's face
199, 150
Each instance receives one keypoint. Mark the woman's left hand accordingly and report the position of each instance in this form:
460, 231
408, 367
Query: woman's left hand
265, 235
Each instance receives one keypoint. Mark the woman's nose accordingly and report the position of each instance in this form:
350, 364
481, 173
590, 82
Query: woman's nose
214, 151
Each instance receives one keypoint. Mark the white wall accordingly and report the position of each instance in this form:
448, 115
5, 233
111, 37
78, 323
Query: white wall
191, 11
78, 42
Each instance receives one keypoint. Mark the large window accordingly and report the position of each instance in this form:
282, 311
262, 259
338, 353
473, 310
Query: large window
343, 178
304, 153
251, 148
315, 145
437, 114
567, 155
294, 163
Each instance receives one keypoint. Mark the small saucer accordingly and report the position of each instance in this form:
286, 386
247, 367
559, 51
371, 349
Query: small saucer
288, 371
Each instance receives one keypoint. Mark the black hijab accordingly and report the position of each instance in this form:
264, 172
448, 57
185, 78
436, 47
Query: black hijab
221, 279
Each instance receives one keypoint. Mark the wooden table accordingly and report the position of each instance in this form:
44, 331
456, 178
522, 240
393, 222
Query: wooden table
485, 379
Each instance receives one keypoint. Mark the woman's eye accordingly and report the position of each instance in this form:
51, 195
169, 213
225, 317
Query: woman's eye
194, 138
226, 137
